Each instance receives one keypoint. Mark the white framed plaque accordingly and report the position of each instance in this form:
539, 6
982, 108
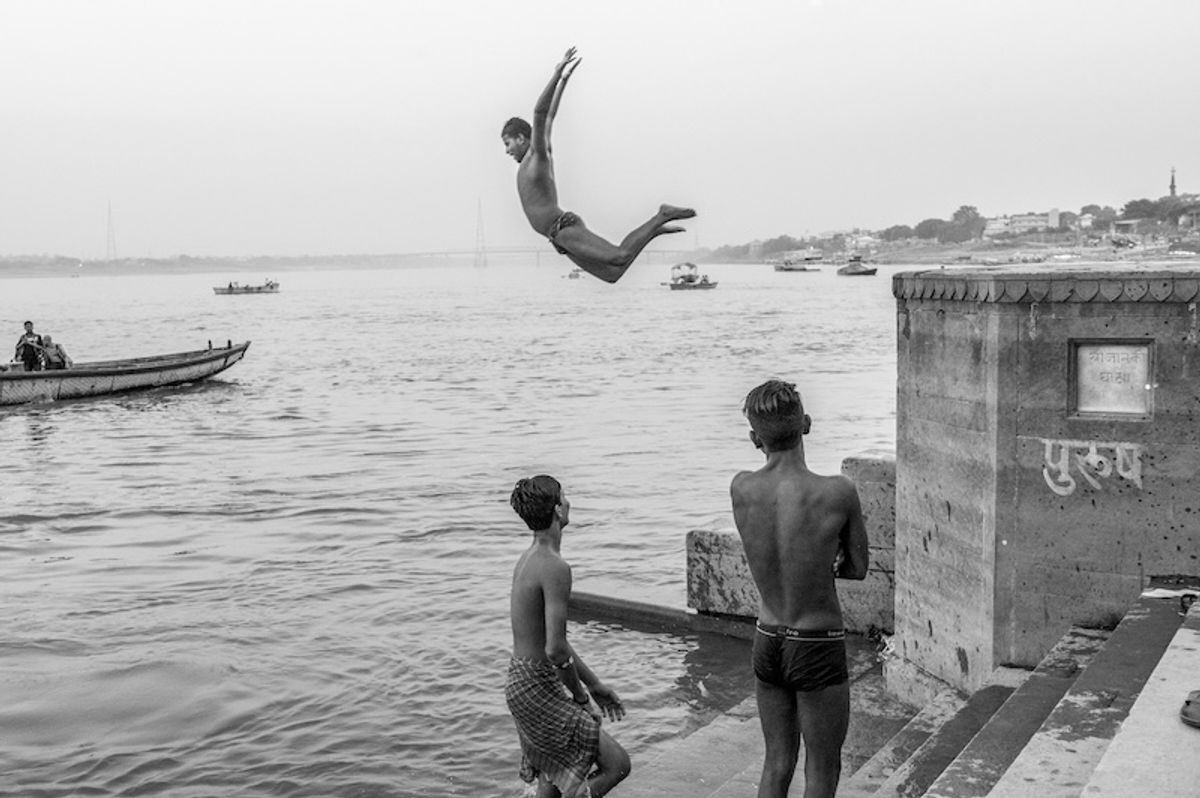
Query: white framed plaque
1112, 378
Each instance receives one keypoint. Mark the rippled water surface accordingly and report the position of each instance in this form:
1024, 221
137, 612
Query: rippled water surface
293, 579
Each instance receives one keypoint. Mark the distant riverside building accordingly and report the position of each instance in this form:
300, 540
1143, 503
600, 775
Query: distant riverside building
861, 241
1125, 226
995, 226
1190, 218
1028, 222
1021, 223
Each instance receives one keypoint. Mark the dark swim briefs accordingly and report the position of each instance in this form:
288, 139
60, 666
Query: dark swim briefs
566, 220
800, 659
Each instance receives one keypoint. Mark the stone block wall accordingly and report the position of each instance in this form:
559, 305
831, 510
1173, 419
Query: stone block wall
1019, 512
719, 581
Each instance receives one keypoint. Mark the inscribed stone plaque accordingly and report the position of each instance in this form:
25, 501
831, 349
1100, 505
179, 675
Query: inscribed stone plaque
1112, 378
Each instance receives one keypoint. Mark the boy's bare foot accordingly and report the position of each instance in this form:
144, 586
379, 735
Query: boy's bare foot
673, 212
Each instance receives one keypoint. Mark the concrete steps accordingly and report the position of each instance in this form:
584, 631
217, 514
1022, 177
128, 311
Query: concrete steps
1042, 734
866, 780
724, 759
876, 718
704, 761
1062, 755
1154, 752
1048, 733
984, 760
914, 776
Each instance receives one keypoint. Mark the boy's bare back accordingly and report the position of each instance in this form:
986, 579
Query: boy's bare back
793, 523
538, 577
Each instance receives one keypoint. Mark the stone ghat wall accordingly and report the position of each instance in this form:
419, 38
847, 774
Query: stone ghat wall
1048, 453
719, 581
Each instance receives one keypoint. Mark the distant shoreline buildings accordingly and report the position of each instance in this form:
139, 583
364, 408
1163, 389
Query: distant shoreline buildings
1183, 213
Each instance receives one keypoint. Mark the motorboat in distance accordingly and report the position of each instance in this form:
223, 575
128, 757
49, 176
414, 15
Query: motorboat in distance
685, 277
800, 260
104, 377
856, 268
269, 287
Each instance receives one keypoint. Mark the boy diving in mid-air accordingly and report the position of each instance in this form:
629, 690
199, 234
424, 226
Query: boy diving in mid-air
530, 146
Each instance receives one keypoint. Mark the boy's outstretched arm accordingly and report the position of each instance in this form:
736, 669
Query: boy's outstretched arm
547, 104
558, 92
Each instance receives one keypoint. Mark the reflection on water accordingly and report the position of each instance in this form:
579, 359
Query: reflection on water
293, 580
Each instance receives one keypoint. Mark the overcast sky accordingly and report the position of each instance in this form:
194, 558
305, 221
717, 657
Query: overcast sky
364, 126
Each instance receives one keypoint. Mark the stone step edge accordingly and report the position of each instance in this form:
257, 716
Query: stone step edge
701, 764
879, 768
1061, 756
915, 775
984, 759
866, 692
1153, 753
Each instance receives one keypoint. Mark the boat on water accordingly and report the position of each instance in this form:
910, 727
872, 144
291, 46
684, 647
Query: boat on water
685, 277
104, 377
269, 287
574, 274
802, 260
856, 268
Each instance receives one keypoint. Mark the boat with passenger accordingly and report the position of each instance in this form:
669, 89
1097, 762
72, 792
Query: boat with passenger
686, 277
103, 377
269, 287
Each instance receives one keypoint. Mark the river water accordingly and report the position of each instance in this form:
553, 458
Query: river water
292, 580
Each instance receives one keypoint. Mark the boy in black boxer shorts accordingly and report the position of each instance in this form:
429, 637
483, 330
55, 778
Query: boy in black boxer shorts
799, 531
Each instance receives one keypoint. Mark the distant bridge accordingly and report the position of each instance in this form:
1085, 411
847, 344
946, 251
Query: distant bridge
654, 254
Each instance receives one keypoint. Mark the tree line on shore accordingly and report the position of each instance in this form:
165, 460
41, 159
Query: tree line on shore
967, 224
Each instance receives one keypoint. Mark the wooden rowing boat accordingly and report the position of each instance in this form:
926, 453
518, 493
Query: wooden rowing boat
104, 377
269, 287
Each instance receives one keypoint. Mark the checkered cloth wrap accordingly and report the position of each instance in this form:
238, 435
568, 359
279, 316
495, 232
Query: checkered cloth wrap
558, 737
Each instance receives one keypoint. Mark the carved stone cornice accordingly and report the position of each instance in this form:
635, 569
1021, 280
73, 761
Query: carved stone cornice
1099, 284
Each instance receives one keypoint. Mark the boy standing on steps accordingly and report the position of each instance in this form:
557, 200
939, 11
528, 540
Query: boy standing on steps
800, 530
556, 700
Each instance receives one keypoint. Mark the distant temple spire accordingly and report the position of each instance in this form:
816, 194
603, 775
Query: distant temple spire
1172, 181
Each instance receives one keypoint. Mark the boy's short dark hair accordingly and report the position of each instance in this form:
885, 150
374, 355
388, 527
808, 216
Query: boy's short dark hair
776, 414
516, 127
534, 499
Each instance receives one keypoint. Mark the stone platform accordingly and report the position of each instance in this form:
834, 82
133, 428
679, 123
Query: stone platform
1098, 718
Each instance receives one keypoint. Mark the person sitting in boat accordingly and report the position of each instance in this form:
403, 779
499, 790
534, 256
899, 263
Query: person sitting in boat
29, 349
55, 356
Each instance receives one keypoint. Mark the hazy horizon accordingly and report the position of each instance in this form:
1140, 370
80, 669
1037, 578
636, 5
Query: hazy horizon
224, 129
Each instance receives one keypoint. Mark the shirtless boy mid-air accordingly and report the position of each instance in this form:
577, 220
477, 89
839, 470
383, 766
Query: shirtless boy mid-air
539, 194
556, 701
799, 531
